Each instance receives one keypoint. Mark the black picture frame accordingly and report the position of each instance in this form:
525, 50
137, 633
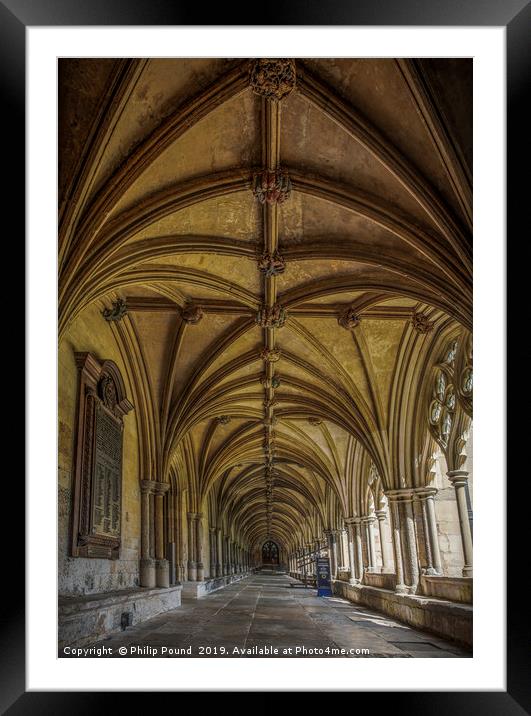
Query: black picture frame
515, 16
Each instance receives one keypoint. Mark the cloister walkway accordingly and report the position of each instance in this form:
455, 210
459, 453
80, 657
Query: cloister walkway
264, 612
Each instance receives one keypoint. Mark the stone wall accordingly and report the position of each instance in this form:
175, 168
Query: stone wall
83, 620
455, 589
447, 619
79, 575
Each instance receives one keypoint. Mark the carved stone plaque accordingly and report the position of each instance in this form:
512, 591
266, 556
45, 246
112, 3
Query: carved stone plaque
96, 517
107, 473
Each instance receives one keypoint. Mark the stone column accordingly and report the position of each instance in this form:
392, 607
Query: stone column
330, 541
351, 546
459, 479
429, 527
309, 567
410, 552
341, 552
387, 561
162, 566
219, 551
405, 519
368, 523
317, 547
226, 566
147, 564
335, 540
192, 534
199, 547
229, 565
358, 549
152, 521
400, 585
303, 557
212, 551
231, 556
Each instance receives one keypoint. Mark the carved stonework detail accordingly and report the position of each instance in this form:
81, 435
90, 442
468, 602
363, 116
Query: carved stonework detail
192, 314
270, 355
224, 419
315, 421
117, 311
271, 264
421, 323
108, 392
272, 78
274, 382
349, 319
271, 316
269, 403
97, 493
271, 186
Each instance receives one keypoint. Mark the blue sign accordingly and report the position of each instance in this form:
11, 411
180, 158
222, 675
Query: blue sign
322, 569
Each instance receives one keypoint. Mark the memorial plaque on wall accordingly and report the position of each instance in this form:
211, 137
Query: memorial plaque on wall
97, 508
107, 473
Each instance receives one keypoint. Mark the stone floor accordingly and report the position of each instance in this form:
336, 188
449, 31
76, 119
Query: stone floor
263, 613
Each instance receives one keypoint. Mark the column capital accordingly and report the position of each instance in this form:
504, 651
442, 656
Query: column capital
381, 515
457, 477
147, 487
350, 520
212, 529
160, 488
405, 494
422, 493
367, 519
193, 515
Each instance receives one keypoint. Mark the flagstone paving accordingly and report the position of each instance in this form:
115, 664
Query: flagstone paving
264, 612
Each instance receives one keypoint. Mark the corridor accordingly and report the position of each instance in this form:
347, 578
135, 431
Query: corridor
269, 615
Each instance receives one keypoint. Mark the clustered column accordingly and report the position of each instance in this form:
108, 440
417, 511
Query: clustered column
213, 551
404, 540
192, 535
219, 552
367, 523
351, 539
385, 545
154, 567
199, 547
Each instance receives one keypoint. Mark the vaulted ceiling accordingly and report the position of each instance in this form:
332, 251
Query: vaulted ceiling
275, 254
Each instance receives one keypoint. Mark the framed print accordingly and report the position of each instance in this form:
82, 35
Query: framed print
266, 329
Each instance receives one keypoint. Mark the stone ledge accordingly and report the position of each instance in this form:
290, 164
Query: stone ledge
455, 589
380, 580
85, 619
197, 590
451, 620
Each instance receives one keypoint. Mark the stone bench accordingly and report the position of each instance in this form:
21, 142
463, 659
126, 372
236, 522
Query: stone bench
87, 618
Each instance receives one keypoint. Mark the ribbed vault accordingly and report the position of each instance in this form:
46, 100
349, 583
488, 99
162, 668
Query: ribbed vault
290, 271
